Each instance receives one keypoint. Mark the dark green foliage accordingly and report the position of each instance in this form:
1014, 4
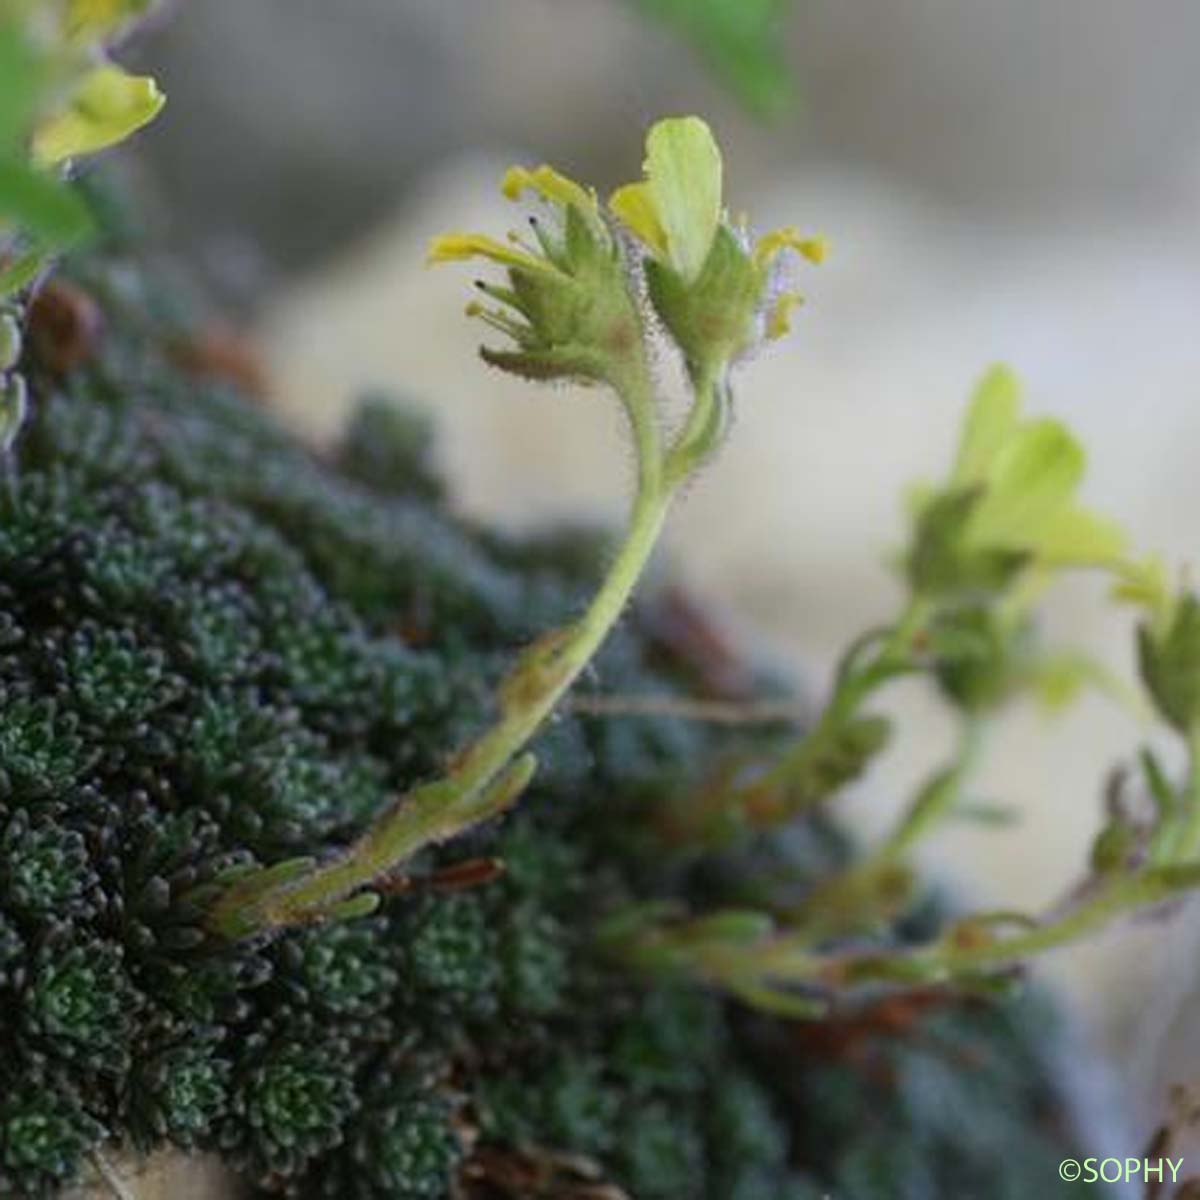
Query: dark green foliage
347, 970
745, 1129
44, 867
78, 1004
449, 952
43, 1138
217, 649
389, 447
290, 1103
404, 1146
179, 1093
659, 1154
534, 962
110, 676
41, 751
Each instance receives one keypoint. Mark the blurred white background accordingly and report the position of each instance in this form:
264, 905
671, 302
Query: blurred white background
1016, 182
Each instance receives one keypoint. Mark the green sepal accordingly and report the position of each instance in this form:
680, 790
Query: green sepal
1113, 847
713, 319
979, 660
580, 321
938, 564
1170, 665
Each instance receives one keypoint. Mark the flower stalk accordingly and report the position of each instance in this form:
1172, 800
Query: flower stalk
489, 774
983, 547
573, 308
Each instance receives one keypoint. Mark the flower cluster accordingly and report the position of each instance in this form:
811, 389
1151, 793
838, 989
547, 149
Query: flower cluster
574, 299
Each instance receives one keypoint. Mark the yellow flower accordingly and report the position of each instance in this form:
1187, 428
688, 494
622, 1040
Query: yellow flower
574, 295
567, 305
1028, 473
718, 294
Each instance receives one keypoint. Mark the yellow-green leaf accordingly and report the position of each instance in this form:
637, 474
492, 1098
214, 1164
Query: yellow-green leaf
106, 107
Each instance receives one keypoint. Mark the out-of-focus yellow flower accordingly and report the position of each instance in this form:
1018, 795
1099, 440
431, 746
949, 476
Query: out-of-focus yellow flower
1010, 502
106, 106
90, 21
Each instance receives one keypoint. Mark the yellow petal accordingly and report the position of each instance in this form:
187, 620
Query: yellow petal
1031, 480
772, 245
992, 419
1075, 536
779, 319
550, 185
634, 208
683, 171
106, 107
458, 247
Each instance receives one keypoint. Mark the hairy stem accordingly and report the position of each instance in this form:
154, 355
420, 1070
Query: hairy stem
940, 796
488, 775
1188, 838
783, 972
854, 682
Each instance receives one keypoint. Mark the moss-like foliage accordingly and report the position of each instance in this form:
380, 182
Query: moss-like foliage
217, 648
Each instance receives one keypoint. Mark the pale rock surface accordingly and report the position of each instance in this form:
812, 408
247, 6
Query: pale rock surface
169, 1175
